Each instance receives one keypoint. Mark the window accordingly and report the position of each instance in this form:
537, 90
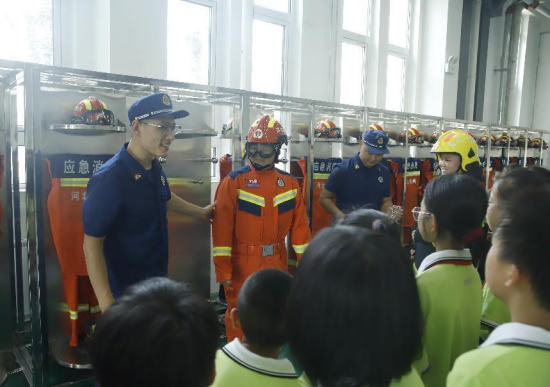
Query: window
189, 43
276, 5
352, 74
395, 83
398, 53
353, 40
356, 16
26, 28
399, 23
268, 42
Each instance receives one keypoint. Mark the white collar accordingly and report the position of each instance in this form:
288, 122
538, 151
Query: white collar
280, 368
519, 334
445, 255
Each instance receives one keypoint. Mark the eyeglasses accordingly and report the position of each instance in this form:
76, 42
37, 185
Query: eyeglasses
165, 130
416, 213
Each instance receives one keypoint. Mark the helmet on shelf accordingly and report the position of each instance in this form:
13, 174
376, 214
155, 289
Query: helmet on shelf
327, 129
414, 136
92, 111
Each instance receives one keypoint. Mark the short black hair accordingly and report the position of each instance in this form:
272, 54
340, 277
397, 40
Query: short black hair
459, 204
518, 179
354, 313
523, 235
262, 306
366, 218
159, 333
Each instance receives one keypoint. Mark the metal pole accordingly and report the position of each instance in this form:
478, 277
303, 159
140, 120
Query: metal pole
405, 171
310, 164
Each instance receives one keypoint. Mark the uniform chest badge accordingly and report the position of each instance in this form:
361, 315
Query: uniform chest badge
356, 166
137, 176
253, 183
280, 182
163, 180
380, 179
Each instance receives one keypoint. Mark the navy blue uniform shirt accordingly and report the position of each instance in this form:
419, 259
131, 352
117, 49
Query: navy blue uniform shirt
126, 204
357, 186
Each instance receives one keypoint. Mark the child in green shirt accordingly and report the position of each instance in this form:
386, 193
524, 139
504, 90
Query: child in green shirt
518, 268
494, 311
261, 314
354, 313
452, 211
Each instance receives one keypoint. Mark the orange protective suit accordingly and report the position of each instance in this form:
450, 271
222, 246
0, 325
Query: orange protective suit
320, 218
69, 176
255, 211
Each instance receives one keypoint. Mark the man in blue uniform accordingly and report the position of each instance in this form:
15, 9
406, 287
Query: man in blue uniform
362, 181
124, 213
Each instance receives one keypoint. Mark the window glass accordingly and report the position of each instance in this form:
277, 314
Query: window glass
26, 29
189, 29
399, 23
356, 16
267, 57
352, 74
276, 5
395, 83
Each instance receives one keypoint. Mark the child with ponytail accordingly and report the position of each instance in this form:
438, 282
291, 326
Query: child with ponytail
451, 215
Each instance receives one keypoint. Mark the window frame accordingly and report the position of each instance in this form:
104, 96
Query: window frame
403, 80
401, 52
282, 19
344, 36
213, 36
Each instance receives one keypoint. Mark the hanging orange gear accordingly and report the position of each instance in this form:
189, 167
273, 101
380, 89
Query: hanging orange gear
257, 207
69, 176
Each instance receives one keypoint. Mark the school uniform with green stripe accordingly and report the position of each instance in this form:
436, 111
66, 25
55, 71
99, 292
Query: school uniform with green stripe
514, 355
450, 295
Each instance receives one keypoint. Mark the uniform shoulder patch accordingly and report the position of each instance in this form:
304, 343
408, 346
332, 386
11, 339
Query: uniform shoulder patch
285, 173
233, 174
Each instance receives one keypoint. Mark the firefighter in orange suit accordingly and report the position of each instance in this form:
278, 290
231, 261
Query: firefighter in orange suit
257, 206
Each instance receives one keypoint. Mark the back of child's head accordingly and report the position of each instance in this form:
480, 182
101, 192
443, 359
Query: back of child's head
372, 220
523, 237
159, 333
459, 204
262, 307
518, 179
354, 313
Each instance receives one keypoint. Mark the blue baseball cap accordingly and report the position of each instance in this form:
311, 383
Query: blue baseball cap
154, 106
376, 141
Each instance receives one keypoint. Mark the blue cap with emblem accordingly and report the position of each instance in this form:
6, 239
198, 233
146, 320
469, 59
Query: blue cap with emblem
376, 141
154, 106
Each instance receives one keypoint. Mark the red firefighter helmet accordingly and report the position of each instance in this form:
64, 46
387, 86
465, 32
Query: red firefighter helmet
520, 142
503, 140
92, 111
537, 143
375, 127
415, 137
435, 135
483, 140
327, 129
267, 130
